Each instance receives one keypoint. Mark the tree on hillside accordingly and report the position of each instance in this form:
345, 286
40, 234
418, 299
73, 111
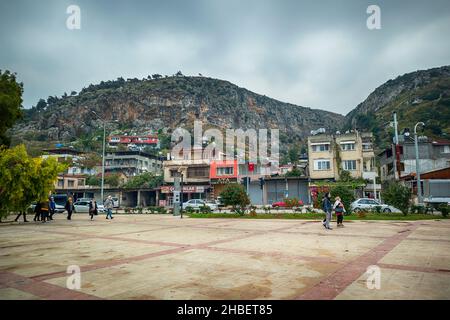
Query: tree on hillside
24, 179
10, 104
145, 180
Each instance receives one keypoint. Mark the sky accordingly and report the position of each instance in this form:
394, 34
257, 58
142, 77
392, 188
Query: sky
318, 54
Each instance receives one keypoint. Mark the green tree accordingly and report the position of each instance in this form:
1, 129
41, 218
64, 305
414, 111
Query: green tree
397, 195
24, 179
10, 104
93, 181
346, 194
235, 195
112, 179
295, 172
145, 180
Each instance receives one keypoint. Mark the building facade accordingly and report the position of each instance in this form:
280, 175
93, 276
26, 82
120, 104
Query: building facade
329, 154
433, 155
132, 163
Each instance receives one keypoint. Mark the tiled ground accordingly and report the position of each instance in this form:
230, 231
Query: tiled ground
164, 257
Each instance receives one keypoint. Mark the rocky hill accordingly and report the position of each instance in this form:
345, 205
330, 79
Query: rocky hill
166, 103
417, 96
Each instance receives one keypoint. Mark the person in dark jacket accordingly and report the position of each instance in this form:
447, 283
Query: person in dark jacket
44, 211
24, 213
37, 212
69, 207
93, 208
52, 208
327, 208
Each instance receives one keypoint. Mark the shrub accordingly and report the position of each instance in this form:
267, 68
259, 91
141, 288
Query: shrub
444, 209
362, 214
140, 210
205, 209
377, 209
235, 195
397, 195
291, 202
189, 209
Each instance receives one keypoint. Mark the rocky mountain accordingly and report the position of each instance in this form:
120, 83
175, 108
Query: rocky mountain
417, 96
166, 103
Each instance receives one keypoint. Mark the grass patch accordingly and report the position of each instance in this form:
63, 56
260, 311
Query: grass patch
317, 216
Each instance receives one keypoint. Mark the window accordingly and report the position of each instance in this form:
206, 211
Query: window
60, 183
80, 182
349, 165
446, 149
347, 146
198, 172
224, 171
320, 147
322, 165
367, 146
70, 183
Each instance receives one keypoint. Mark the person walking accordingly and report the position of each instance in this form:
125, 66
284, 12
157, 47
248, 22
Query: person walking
24, 214
327, 208
52, 208
93, 208
109, 206
339, 209
37, 212
69, 207
44, 211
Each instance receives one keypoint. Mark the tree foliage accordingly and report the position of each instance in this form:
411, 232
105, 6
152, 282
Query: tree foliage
10, 103
235, 195
24, 180
145, 180
397, 195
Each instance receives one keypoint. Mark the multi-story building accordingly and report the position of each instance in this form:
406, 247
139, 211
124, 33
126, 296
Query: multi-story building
433, 155
143, 140
72, 156
132, 163
329, 154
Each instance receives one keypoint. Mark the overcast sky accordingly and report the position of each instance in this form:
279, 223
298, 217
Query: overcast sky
318, 54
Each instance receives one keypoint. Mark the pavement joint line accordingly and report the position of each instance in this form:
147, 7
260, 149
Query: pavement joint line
413, 268
41, 289
332, 285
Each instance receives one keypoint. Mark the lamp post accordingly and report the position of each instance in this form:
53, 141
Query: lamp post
419, 186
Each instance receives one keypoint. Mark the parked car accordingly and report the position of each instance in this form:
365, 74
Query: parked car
196, 204
83, 207
370, 204
282, 204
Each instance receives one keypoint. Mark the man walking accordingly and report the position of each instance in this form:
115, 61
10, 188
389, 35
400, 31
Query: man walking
69, 208
327, 207
52, 208
109, 206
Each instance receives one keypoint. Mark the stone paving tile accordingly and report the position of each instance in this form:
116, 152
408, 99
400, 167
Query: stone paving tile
200, 274
185, 235
165, 257
400, 284
428, 254
55, 256
330, 245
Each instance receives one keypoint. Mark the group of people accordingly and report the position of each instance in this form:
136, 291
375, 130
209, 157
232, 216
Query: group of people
44, 210
328, 208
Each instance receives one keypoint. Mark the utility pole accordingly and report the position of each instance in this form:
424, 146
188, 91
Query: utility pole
396, 175
419, 185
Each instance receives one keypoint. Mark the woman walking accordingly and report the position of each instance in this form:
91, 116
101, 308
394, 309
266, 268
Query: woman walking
44, 211
339, 208
37, 212
69, 208
93, 208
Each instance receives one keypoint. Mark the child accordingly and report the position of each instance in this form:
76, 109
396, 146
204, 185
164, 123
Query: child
339, 209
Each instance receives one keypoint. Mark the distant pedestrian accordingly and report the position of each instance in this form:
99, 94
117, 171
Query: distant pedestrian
327, 208
339, 208
93, 208
109, 206
69, 207
24, 214
44, 210
52, 208
37, 212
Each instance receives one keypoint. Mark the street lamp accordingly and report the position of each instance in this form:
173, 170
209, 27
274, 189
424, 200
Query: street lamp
419, 186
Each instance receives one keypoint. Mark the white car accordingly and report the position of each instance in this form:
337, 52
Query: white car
370, 204
196, 204
83, 207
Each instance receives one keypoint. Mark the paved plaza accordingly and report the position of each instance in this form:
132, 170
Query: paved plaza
165, 257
